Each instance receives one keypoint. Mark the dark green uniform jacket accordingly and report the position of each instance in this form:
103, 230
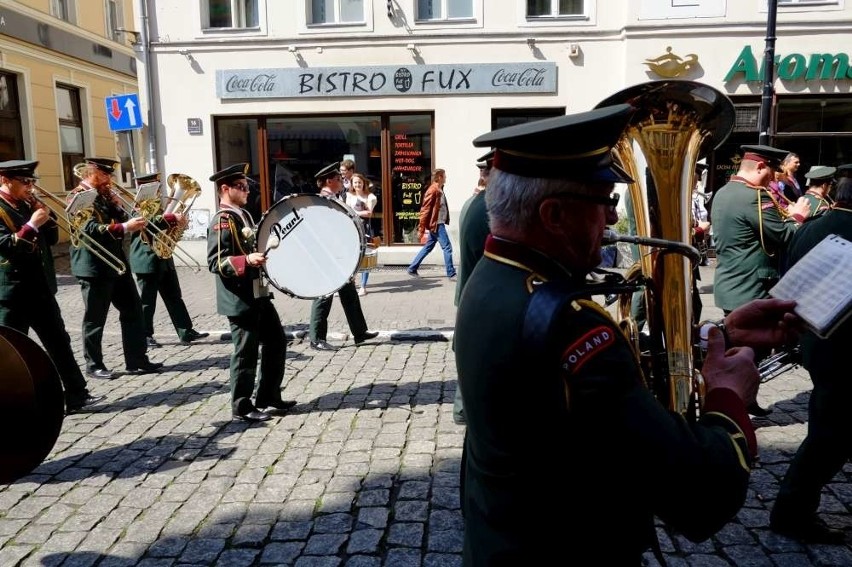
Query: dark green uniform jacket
568, 433
142, 257
750, 237
473, 230
818, 205
229, 240
104, 227
26, 264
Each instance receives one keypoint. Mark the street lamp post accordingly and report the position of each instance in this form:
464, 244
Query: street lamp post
765, 116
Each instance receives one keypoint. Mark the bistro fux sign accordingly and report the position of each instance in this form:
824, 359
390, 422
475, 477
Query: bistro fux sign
387, 80
815, 67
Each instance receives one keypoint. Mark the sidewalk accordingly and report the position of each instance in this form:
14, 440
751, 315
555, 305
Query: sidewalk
363, 472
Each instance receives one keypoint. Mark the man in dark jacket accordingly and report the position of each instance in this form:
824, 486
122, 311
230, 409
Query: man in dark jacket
594, 445
240, 295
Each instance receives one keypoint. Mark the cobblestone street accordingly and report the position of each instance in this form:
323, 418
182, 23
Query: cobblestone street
363, 472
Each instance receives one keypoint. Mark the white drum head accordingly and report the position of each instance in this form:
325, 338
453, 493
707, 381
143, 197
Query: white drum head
320, 242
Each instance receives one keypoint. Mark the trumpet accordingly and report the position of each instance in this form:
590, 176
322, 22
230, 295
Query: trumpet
73, 227
126, 201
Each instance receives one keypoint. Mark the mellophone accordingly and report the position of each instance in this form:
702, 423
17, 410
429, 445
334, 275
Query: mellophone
314, 245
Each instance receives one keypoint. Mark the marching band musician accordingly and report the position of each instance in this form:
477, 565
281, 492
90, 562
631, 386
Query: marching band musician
159, 275
100, 284
549, 199
240, 296
27, 283
820, 181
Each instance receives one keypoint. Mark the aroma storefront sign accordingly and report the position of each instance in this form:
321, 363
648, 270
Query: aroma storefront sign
795, 66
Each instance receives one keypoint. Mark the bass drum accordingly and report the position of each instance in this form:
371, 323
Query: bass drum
317, 245
32, 405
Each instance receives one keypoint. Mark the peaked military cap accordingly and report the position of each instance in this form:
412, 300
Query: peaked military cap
147, 178
844, 170
330, 170
767, 154
107, 165
575, 146
821, 173
230, 173
18, 168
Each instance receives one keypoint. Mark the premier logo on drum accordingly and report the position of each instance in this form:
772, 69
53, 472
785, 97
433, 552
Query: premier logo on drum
281, 229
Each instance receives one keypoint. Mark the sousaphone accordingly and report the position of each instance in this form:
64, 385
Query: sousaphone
32, 405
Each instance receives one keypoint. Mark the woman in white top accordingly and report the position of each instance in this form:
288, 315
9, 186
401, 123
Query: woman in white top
362, 201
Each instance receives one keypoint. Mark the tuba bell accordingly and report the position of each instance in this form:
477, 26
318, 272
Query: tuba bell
675, 124
183, 190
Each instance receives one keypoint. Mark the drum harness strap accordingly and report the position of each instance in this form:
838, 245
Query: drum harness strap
544, 306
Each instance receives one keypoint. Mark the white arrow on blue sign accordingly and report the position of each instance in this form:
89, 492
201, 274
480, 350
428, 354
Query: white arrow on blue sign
123, 112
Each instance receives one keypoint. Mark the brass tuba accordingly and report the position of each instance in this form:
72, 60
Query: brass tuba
183, 190
675, 123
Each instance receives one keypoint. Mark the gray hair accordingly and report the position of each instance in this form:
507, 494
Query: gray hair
843, 192
513, 200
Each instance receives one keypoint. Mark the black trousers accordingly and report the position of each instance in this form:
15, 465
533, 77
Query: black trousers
98, 294
260, 326
320, 309
43, 316
164, 282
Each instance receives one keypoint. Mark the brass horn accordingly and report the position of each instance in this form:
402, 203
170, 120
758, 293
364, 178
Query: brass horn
73, 225
674, 124
183, 190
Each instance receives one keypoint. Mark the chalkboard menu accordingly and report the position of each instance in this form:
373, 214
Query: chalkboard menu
410, 174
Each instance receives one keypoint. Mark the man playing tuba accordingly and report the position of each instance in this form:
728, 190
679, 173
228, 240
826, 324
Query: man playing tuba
158, 275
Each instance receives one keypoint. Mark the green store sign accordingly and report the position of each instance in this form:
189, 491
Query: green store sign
817, 67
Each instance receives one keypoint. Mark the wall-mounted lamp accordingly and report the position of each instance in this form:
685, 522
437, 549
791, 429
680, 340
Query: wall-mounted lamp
412, 48
292, 49
531, 42
574, 50
135, 34
186, 53
390, 9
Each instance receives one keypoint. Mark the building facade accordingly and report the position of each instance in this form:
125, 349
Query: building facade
59, 61
403, 86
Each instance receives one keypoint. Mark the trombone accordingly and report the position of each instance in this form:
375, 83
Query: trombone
127, 203
73, 227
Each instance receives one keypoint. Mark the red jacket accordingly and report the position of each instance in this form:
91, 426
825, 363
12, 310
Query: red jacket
430, 209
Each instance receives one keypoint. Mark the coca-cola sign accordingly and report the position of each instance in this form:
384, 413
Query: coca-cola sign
387, 80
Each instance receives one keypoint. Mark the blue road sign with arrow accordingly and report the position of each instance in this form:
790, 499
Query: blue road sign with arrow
123, 112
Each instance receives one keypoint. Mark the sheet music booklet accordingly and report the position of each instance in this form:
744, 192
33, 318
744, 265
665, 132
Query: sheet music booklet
148, 191
819, 282
80, 201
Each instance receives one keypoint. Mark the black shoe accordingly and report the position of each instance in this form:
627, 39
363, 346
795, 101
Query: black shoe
757, 411
322, 345
79, 403
192, 335
100, 373
278, 408
253, 416
145, 368
808, 530
152, 342
366, 337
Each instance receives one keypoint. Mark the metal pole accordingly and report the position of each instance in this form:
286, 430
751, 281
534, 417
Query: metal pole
765, 116
145, 55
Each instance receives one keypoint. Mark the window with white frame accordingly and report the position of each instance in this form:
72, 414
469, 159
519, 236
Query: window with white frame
444, 9
64, 10
554, 8
336, 11
232, 14
114, 19
70, 115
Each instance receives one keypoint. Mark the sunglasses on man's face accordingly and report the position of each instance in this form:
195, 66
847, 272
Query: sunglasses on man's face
25, 180
241, 186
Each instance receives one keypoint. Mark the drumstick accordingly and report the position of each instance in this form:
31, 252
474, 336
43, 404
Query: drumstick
273, 243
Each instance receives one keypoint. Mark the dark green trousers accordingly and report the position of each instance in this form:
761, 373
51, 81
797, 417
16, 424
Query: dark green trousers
44, 317
826, 448
167, 285
260, 326
98, 294
320, 309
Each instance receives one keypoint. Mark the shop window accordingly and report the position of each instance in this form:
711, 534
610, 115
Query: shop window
428, 10
64, 10
814, 115
237, 142
503, 117
554, 8
411, 169
114, 19
232, 14
336, 11
11, 135
70, 131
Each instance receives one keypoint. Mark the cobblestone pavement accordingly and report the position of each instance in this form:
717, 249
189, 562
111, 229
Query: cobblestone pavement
364, 471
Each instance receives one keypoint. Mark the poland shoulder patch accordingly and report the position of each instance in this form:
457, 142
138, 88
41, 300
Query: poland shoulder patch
587, 347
